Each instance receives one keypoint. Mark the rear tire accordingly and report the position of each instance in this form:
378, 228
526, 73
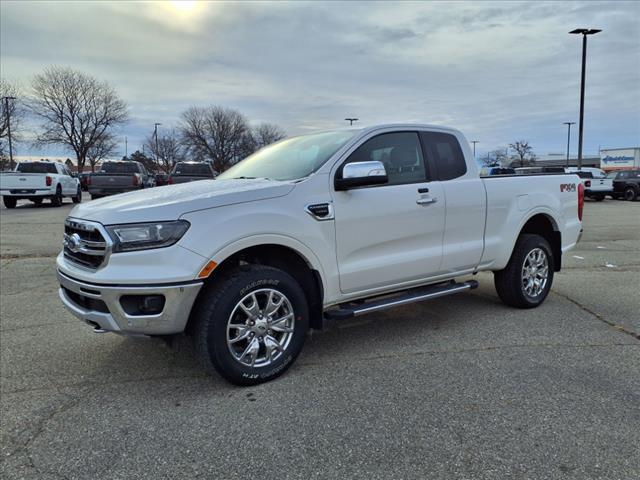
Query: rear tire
9, 202
526, 280
630, 194
56, 200
229, 326
78, 197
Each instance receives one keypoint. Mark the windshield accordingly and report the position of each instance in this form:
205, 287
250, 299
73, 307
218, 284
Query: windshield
124, 167
290, 159
37, 167
196, 169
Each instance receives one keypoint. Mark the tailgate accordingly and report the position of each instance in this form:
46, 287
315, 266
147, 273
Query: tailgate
112, 180
22, 181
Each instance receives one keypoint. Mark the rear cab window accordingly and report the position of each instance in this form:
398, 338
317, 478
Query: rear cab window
194, 169
36, 167
124, 167
444, 154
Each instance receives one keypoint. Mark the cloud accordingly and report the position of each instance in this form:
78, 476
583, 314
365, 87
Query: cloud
498, 71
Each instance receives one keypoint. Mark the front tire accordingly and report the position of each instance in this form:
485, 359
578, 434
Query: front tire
251, 325
630, 194
78, 197
9, 202
526, 280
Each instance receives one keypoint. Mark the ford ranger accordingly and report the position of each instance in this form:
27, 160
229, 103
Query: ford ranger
36, 181
328, 225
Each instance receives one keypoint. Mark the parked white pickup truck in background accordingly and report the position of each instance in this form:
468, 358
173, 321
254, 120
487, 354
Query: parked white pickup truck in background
36, 181
596, 184
334, 224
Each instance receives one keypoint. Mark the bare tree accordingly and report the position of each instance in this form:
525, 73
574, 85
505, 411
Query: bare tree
267, 133
77, 110
169, 151
11, 114
215, 133
101, 149
495, 158
524, 152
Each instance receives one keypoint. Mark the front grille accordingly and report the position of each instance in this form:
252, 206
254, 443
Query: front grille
84, 244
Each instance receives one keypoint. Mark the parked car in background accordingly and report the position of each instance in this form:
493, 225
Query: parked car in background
626, 184
489, 171
119, 177
161, 179
84, 178
37, 181
184, 172
596, 184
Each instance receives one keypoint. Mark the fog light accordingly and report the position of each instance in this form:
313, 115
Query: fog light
142, 304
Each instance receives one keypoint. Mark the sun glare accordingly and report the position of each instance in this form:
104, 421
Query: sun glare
185, 6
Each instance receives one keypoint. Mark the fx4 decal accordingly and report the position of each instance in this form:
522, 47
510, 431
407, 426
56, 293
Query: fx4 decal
567, 187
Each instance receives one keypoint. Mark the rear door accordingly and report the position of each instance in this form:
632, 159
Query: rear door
464, 198
389, 234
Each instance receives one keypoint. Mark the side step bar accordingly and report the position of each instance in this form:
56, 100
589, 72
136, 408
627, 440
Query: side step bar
349, 310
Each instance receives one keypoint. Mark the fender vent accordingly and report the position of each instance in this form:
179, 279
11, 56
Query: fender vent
320, 211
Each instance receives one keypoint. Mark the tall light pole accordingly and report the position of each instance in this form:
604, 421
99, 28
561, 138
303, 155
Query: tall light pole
568, 124
125, 147
474, 147
6, 111
584, 32
155, 134
351, 120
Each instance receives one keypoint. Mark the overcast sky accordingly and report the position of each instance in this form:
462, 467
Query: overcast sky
498, 71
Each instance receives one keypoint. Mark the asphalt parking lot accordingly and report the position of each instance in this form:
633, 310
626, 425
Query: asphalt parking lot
460, 387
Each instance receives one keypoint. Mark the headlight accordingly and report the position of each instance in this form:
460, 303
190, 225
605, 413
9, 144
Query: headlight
143, 236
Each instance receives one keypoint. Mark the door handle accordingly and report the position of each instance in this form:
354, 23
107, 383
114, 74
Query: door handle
426, 201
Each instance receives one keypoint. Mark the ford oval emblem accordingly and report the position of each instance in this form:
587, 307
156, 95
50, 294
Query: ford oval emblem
73, 242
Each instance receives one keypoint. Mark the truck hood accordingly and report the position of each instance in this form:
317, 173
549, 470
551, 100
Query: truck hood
169, 202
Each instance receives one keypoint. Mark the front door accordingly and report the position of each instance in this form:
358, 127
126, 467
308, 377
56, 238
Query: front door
392, 233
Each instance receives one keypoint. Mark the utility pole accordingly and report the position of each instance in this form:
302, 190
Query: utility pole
6, 111
568, 124
125, 147
584, 32
351, 120
474, 147
155, 134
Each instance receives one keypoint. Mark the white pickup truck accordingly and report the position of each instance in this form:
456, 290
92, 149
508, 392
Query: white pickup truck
327, 225
36, 181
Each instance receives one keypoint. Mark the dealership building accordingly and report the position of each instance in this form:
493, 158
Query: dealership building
608, 159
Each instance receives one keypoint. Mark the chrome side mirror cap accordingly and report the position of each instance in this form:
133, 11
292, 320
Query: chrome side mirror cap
359, 174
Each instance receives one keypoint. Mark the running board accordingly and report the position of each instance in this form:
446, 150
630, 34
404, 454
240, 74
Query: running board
349, 310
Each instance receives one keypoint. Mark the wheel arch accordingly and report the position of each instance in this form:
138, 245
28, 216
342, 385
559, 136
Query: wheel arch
546, 226
283, 257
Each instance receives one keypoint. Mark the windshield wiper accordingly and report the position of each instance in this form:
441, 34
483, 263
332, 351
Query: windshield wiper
250, 178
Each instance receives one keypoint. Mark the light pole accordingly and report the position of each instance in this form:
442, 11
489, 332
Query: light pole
351, 120
584, 32
474, 147
568, 124
155, 134
6, 111
125, 147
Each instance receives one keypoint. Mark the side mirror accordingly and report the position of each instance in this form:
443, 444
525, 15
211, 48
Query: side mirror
359, 174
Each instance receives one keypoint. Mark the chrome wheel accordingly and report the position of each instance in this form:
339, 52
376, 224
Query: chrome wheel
535, 272
260, 327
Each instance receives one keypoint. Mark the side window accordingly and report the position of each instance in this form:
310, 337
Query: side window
400, 152
444, 151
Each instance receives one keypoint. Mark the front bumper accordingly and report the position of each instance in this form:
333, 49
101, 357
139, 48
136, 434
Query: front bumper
100, 306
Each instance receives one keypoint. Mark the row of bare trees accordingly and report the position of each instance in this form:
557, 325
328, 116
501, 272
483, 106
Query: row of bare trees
522, 155
82, 114
220, 135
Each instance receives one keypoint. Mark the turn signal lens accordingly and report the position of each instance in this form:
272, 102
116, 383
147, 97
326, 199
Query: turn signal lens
208, 268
